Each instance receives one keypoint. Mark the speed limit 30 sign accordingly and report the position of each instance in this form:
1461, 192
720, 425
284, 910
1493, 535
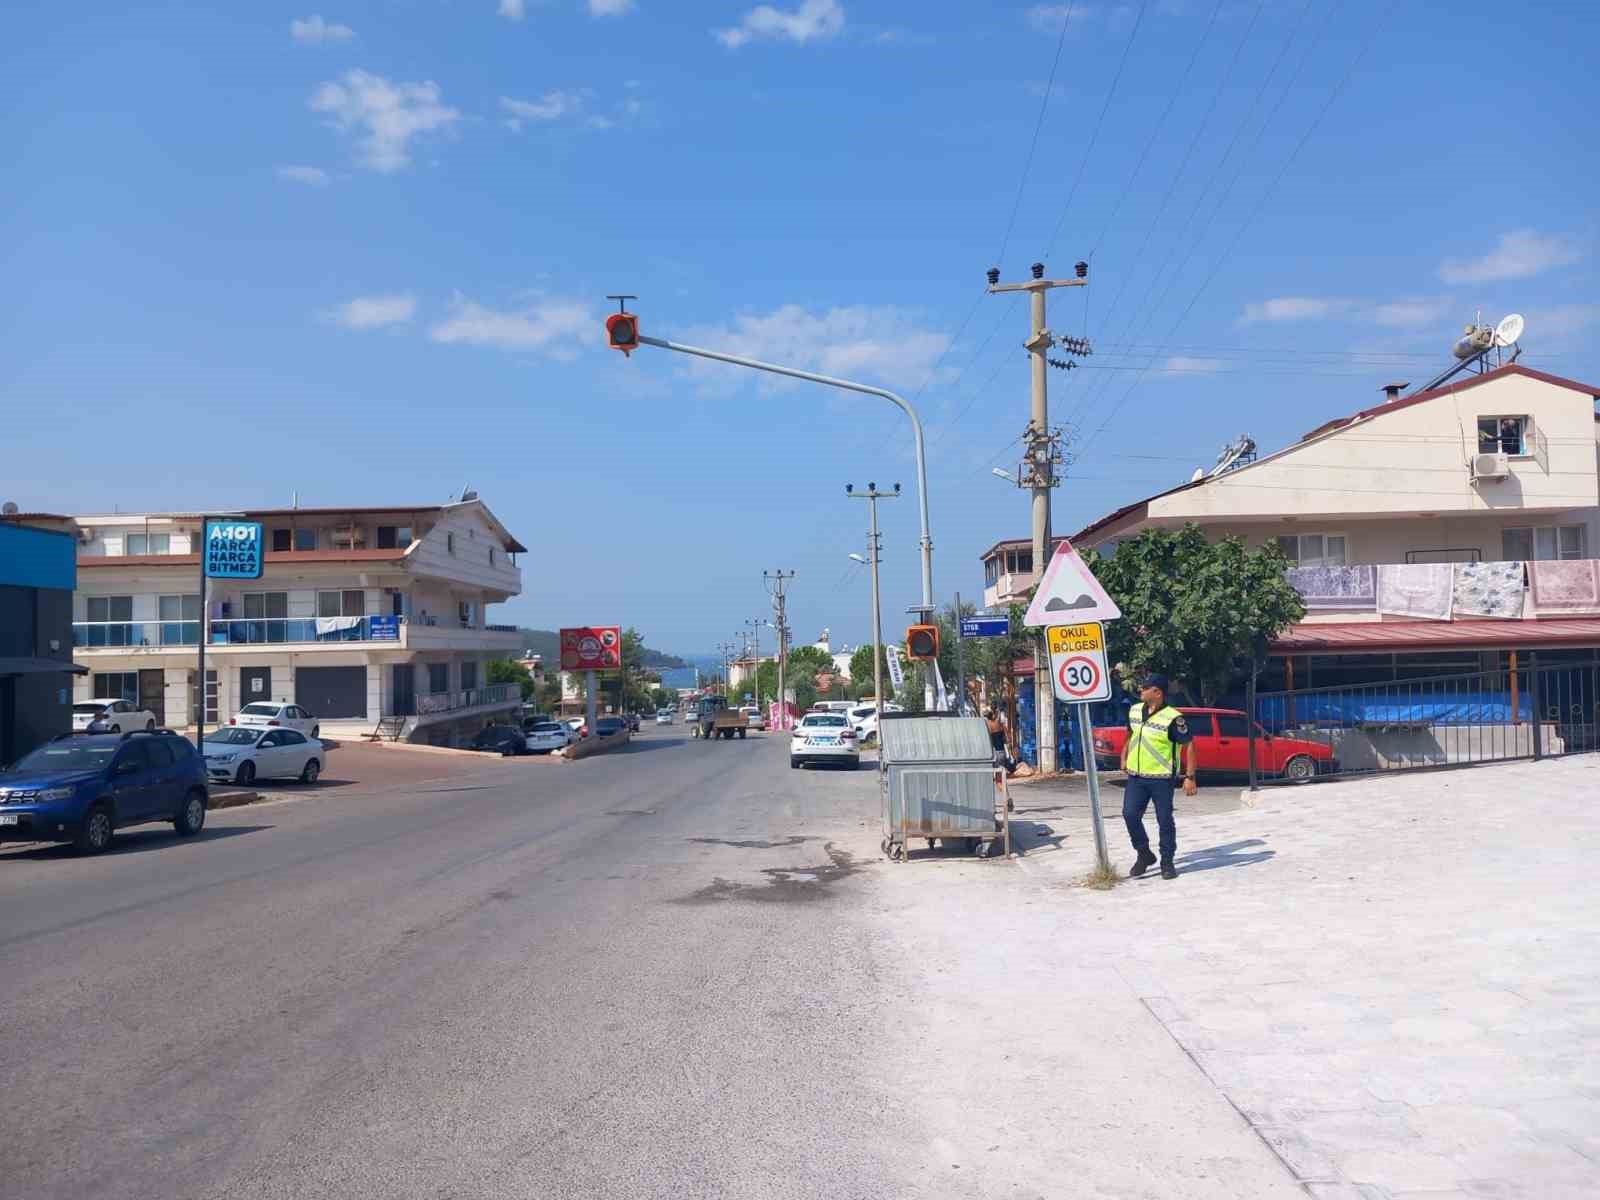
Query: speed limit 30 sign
1078, 662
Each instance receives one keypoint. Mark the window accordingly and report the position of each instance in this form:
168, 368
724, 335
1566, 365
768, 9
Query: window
116, 685
450, 543
1200, 724
394, 537
1543, 542
351, 603
291, 737
1313, 549
272, 739
469, 676
991, 571
491, 556
305, 539
282, 539
1230, 726
1505, 435
147, 543
464, 613
178, 608
110, 608
438, 677
260, 606
1019, 562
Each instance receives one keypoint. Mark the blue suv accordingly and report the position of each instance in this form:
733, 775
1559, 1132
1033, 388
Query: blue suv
80, 788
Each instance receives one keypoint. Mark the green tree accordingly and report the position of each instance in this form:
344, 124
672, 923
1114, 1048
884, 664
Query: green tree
1193, 609
550, 693
861, 665
504, 670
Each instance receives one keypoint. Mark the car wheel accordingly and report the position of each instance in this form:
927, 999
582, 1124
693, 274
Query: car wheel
1302, 768
246, 774
741, 733
192, 816
794, 764
116, 729
95, 833
309, 773
150, 725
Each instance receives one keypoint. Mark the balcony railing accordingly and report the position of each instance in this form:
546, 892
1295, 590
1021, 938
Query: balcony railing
494, 693
135, 633
292, 629
257, 631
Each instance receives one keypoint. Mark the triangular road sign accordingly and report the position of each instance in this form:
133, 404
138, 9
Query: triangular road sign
1069, 593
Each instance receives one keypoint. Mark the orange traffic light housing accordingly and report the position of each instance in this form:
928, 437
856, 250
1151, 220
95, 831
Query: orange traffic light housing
622, 332
922, 642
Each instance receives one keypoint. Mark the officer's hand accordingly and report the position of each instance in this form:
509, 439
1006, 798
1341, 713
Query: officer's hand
1189, 787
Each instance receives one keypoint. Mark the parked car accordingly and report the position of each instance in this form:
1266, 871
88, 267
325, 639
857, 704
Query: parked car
264, 715
81, 788
244, 753
864, 719
578, 725
1222, 742
824, 737
111, 716
500, 739
608, 727
753, 717
543, 737
664, 716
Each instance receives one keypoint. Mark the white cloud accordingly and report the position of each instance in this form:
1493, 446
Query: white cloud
556, 327
1293, 308
1047, 18
513, 10
812, 20
312, 176
552, 106
314, 31
1520, 254
387, 115
867, 342
1400, 314
373, 312
1561, 320
1182, 364
609, 8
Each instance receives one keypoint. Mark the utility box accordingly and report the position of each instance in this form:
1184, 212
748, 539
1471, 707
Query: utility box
939, 781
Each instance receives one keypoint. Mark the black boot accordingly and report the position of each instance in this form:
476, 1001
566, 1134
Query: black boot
1168, 871
1141, 863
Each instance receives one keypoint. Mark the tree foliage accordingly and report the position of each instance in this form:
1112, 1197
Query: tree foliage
861, 665
1194, 609
505, 670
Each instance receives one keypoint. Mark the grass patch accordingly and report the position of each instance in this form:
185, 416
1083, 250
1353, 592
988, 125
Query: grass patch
1102, 879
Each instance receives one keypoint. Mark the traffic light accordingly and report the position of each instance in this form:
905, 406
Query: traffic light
622, 332
922, 641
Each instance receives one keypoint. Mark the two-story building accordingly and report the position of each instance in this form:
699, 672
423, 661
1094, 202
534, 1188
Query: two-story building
37, 575
1497, 468
360, 614
1009, 572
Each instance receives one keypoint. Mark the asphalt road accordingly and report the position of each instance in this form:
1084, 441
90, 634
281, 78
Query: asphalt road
610, 978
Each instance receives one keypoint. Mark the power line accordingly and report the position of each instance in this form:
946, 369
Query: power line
1033, 142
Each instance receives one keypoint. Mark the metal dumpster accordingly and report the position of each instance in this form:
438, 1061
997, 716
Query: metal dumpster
938, 781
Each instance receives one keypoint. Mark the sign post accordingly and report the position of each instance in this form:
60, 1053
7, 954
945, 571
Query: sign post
1078, 671
228, 550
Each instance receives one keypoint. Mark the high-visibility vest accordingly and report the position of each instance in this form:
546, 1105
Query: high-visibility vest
1151, 751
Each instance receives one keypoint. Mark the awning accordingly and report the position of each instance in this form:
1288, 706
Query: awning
1369, 636
39, 666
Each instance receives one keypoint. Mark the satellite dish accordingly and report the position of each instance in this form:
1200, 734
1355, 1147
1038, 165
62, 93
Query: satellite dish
9, 508
1509, 330
1199, 474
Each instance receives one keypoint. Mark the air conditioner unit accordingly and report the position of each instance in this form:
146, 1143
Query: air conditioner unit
1491, 466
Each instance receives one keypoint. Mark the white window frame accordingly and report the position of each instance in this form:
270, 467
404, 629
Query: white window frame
1554, 532
1300, 558
1526, 427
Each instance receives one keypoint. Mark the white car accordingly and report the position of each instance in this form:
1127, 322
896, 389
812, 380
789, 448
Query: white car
664, 717
543, 737
275, 715
117, 716
864, 719
753, 718
242, 754
824, 737
578, 725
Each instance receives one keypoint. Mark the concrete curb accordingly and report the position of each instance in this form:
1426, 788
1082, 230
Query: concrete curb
418, 748
589, 747
231, 799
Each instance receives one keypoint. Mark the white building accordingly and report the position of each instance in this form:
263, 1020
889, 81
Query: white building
360, 614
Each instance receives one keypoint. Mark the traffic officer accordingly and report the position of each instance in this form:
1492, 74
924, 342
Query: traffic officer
1157, 736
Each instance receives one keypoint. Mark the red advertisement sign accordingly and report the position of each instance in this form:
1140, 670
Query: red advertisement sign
591, 648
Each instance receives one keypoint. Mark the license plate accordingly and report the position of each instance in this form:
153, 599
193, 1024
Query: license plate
824, 741
10, 819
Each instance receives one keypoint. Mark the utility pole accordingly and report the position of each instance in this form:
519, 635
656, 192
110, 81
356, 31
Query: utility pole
755, 656
872, 495
775, 582
1042, 458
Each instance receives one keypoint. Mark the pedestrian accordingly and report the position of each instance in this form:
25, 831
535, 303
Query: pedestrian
997, 740
1157, 736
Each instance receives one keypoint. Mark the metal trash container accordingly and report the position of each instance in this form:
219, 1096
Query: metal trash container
938, 781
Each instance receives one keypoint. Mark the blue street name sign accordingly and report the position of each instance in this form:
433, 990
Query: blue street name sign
985, 627
233, 550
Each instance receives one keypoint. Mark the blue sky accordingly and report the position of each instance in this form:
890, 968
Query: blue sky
360, 250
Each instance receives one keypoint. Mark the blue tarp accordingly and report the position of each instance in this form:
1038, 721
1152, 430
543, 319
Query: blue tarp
1355, 709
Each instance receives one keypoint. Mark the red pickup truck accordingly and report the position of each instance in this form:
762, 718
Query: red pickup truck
1222, 741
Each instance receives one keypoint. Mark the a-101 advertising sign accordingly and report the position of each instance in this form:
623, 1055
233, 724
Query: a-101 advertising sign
591, 648
232, 549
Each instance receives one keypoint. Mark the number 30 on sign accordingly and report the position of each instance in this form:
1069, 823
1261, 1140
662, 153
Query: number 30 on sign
1078, 662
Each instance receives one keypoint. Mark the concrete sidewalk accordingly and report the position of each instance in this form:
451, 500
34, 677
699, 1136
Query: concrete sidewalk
1395, 981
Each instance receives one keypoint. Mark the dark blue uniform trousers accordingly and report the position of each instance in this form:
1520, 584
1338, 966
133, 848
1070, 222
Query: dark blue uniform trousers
1139, 792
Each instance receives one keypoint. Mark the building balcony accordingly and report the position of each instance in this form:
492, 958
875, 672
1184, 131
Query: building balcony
495, 694
1009, 588
120, 636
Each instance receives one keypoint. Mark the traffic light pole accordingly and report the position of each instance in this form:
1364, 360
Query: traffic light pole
754, 364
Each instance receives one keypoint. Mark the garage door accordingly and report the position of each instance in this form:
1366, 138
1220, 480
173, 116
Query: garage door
331, 691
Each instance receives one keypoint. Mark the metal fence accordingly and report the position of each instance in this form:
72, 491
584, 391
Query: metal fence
1527, 712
